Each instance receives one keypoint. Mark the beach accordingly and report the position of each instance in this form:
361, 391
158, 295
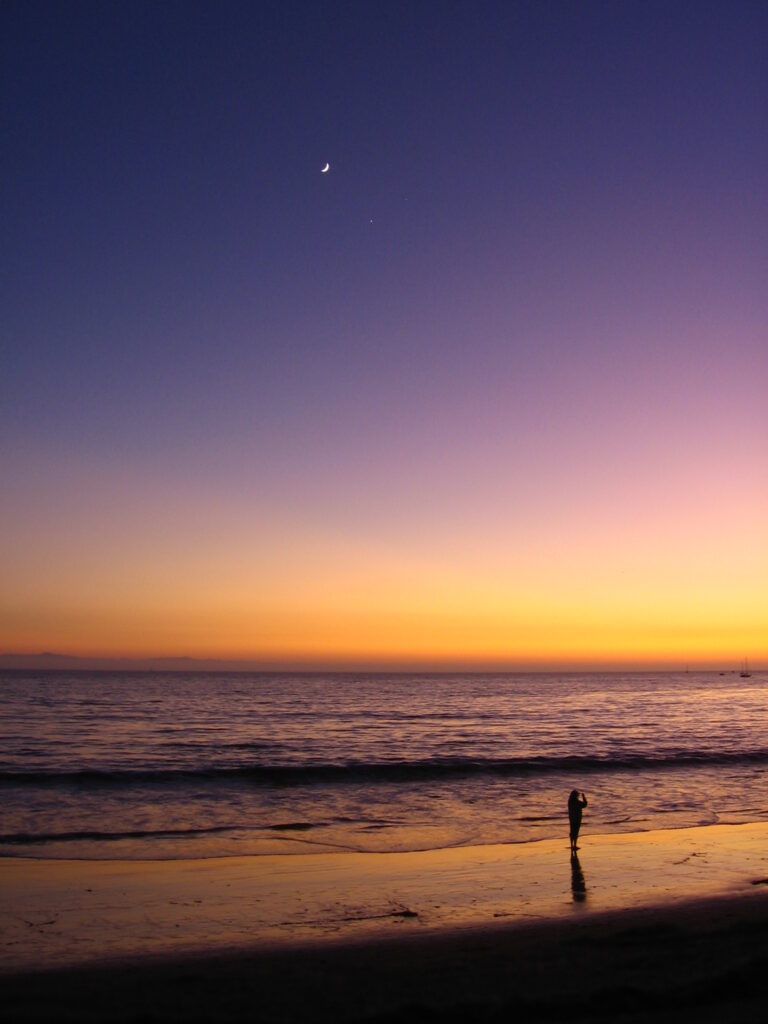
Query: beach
382, 439
387, 847
643, 923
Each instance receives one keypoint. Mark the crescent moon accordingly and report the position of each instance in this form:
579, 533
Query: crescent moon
324, 170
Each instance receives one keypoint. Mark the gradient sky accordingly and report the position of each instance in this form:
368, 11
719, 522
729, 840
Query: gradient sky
491, 391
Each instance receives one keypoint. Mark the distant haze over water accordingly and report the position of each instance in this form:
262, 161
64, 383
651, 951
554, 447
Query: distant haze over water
147, 765
52, 661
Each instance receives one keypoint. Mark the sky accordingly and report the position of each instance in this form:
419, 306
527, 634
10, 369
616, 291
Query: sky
489, 392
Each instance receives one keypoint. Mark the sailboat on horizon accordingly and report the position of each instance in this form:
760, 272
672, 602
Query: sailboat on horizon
745, 673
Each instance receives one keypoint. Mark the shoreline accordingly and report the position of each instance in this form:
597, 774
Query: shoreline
317, 847
73, 913
651, 926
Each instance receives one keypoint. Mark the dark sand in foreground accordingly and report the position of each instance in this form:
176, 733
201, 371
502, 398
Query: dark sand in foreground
668, 926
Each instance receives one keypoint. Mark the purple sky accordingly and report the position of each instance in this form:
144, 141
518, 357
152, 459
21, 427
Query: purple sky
521, 322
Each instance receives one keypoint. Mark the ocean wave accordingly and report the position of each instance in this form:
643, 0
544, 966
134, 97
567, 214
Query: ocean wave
381, 771
29, 838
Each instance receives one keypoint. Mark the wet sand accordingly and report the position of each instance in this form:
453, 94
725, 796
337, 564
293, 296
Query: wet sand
645, 924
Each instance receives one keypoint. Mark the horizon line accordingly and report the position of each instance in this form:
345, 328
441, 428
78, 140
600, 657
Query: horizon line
43, 660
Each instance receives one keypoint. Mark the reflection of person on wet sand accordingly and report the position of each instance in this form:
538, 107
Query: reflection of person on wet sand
576, 802
578, 885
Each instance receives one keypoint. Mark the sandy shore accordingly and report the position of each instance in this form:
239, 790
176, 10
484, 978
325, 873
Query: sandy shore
642, 923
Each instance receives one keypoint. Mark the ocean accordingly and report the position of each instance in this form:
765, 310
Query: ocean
164, 765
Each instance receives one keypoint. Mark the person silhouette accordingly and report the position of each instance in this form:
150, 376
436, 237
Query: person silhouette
576, 803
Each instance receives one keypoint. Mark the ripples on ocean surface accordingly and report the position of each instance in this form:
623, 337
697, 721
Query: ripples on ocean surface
99, 764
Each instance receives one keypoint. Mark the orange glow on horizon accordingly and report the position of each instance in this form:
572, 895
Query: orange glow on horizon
431, 620
624, 575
